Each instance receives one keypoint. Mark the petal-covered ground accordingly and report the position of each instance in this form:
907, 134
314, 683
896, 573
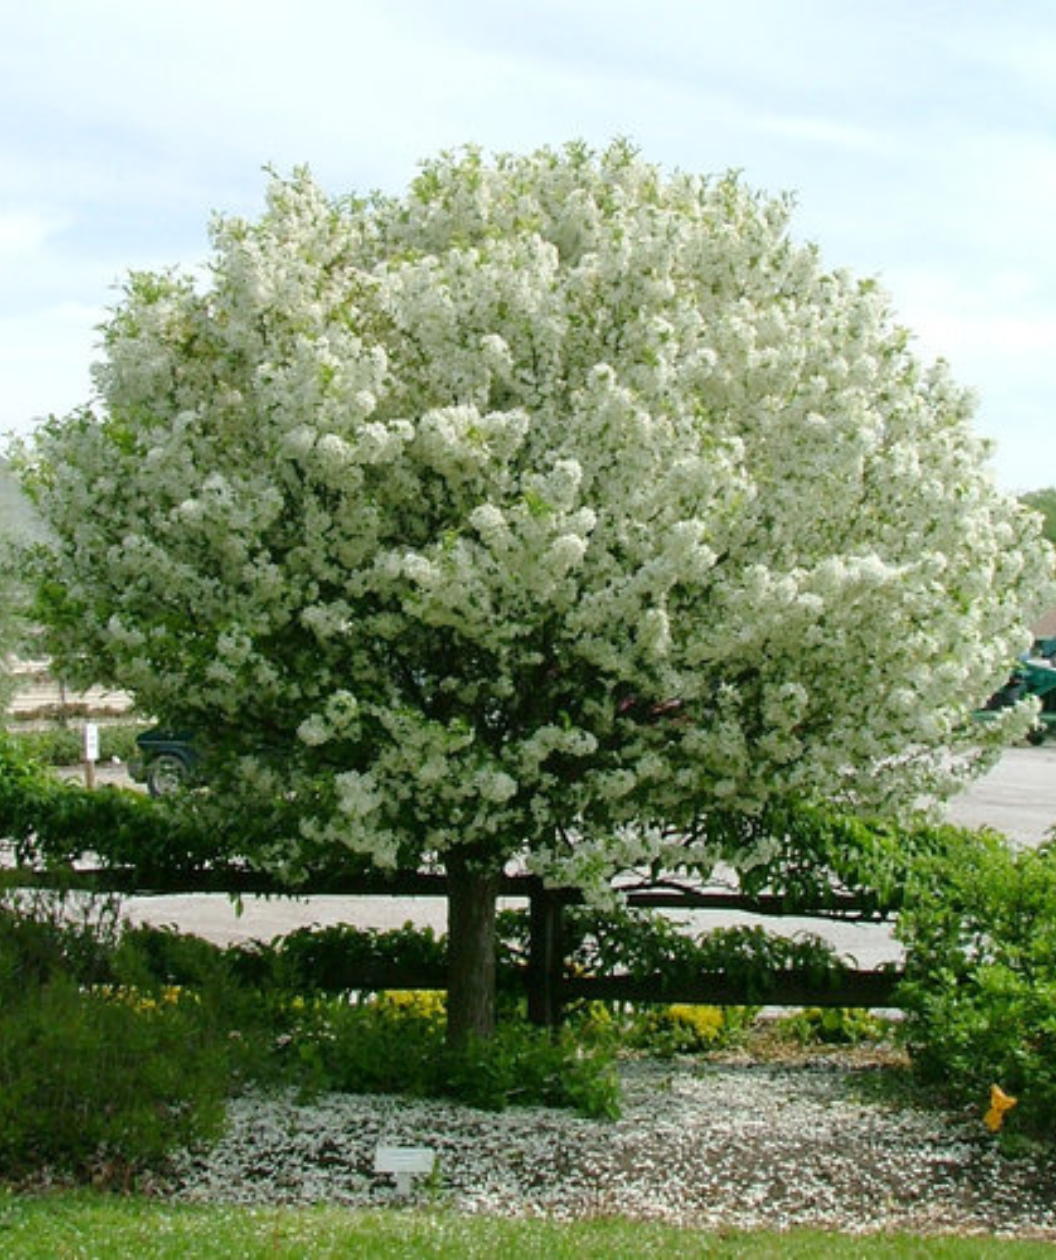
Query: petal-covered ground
734, 1144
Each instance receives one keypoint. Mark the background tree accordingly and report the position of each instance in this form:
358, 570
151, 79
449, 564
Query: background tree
9, 619
17, 526
536, 515
1044, 501
18, 520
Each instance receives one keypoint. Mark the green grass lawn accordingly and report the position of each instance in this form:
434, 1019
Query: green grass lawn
89, 1226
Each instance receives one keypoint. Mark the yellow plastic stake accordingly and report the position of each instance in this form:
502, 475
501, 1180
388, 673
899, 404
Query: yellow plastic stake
1000, 1102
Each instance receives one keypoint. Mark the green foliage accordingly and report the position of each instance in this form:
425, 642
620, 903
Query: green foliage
336, 960
91, 1083
1044, 501
294, 973
833, 1026
149, 955
63, 745
96, 1078
53, 823
392, 1043
44, 936
335, 1044
816, 853
980, 989
396, 1044
645, 945
102, 1069
340, 958
685, 1029
531, 1067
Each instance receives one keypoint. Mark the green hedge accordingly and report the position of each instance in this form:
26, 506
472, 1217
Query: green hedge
53, 823
979, 929
154, 841
64, 745
102, 1083
645, 945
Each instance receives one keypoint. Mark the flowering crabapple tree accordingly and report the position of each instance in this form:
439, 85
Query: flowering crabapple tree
533, 516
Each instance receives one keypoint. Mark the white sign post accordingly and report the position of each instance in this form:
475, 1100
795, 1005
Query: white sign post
91, 753
405, 1163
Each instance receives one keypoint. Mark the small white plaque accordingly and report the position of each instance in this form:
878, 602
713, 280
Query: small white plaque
91, 742
405, 1163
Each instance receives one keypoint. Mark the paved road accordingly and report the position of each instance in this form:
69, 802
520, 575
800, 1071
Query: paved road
1018, 797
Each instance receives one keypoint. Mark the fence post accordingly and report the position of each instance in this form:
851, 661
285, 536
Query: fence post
545, 956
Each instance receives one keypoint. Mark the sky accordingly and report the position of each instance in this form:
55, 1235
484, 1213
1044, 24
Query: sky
918, 137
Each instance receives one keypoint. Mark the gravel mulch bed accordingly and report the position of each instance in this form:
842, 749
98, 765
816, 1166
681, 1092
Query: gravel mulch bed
737, 1144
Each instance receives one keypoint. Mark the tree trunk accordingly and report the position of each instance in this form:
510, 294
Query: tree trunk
471, 900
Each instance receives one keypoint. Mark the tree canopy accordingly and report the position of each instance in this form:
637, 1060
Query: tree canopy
535, 513
1044, 501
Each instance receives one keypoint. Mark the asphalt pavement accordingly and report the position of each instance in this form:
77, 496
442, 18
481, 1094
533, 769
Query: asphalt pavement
1017, 797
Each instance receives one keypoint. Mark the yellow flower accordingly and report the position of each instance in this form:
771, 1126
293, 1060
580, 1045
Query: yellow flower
417, 1003
705, 1021
1000, 1102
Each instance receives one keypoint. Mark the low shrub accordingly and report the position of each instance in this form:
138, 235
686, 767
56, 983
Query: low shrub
102, 1083
339, 958
979, 994
678, 1029
106, 1063
44, 935
660, 1030
336, 959
531, 1067
396, 1043
833, 1026
150, 956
